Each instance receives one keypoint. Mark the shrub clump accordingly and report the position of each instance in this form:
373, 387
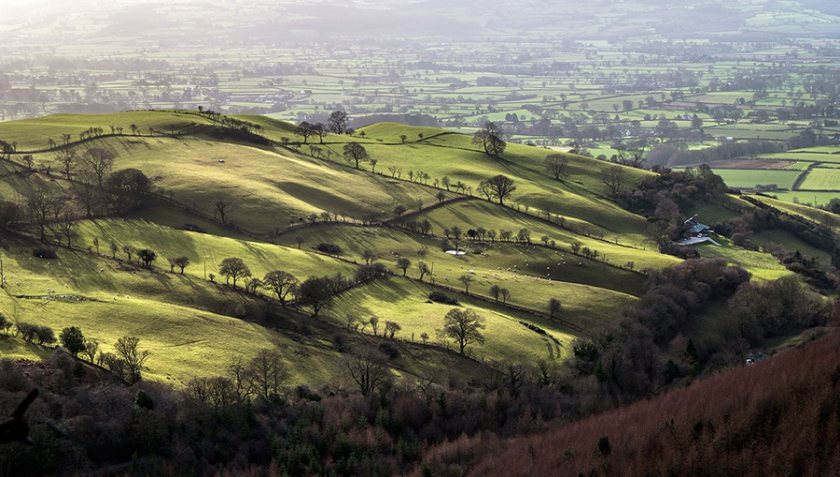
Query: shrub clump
389, 350
440, 297
32, 333
329, 248
45, 253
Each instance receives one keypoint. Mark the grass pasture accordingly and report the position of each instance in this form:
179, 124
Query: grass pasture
405, 302
206, 249
592, 294
108, 299
34, 134
478, 213
195, 328
749, 178
822, 179
579, 198
266, 191
761, 265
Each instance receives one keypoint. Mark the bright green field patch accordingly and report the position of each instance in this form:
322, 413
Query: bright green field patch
820, 150
791, 243
747, 178
35, 133
206, 250
798, 166
763, 266
822, 179
393, 132
532, 274
803, 156
266, 191
455, 157
406, 303
183, 321
811, 198
714, 213
808, 212
473, 214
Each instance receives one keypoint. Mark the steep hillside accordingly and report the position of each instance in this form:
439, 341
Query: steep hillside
558, 260
776, 417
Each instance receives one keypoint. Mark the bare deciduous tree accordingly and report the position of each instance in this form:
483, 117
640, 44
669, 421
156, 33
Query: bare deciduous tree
222, 208
368, 371
233, 268
99, 162
557, 165
613, 178
283, 283
67, 158
464, 327
491, 139
127, 348
266, 374
500, 187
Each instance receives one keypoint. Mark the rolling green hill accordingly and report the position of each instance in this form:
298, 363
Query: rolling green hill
283, 202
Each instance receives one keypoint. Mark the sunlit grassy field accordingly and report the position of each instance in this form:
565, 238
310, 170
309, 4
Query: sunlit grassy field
194, 327
34, 134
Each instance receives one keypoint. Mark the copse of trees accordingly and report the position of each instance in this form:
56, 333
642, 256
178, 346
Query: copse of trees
264, 376
499, 187
370, 272
128, 189
500, 293
491, 139
234, 268
73, 340
147, 256
252, 285
337, 122
630, 362
664, 197
328, 248
32, 333
317, 293
778, 308
355, 153
181, 262
10, 214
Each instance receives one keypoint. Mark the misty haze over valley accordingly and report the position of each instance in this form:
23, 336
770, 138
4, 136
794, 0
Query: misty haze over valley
419, 238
